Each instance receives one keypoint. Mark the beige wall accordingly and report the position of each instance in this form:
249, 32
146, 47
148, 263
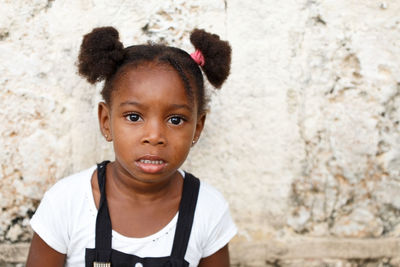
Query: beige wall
303, 140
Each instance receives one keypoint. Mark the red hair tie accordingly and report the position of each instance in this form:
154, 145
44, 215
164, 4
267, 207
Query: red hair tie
198, 57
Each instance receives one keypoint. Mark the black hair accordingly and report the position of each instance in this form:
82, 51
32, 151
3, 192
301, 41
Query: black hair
103, 57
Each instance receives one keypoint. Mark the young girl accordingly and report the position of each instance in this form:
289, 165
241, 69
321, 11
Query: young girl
140, 210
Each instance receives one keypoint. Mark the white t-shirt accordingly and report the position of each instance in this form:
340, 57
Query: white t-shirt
66, 221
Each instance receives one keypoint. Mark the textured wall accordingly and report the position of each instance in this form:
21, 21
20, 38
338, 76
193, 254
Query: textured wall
303, 140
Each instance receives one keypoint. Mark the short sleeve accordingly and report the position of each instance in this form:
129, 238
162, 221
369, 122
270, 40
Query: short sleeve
223, 230
49, 222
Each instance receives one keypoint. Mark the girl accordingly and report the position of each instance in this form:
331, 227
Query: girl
140, 210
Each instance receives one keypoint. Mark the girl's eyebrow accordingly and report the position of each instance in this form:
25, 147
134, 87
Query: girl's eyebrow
183, 106
130, 103
173, 106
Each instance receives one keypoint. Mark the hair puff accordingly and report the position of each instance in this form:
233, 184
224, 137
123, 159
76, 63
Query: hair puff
217, 56
100, 54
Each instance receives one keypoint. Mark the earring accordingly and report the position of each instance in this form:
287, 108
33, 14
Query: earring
106, 136
194, 141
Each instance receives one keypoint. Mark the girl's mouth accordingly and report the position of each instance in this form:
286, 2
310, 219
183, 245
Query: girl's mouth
147, 161
151, 164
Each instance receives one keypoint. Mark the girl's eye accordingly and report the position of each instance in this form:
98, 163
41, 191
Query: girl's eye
132, 117
176, 120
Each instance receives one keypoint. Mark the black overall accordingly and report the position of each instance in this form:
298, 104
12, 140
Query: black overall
104, 256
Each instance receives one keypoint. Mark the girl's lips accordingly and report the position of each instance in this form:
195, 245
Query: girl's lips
151, 164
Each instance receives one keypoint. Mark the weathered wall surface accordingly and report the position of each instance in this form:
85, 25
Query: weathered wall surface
303, 140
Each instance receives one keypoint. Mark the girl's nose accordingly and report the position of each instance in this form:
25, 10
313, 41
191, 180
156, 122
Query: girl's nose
153, 134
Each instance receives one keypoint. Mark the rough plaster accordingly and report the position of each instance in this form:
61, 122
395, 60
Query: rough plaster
303, 139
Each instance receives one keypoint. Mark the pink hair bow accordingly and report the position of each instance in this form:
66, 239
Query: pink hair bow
198, 57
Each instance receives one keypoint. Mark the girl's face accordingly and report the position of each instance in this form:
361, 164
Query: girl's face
151, 122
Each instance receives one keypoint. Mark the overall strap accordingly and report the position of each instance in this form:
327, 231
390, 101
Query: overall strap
103, 221
187, 208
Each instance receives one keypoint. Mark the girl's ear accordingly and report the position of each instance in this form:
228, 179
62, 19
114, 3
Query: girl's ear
199, 127
104, 121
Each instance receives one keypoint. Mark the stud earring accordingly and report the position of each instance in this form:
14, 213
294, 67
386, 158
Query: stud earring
194, 142
106, 136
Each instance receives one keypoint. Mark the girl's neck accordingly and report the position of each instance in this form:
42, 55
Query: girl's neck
119, 184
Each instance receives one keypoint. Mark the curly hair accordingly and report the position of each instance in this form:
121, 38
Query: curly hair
103, 57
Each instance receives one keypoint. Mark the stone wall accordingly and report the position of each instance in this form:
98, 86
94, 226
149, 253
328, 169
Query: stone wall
303, 140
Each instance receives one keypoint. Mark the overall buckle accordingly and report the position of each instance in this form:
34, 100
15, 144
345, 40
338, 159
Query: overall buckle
101, 264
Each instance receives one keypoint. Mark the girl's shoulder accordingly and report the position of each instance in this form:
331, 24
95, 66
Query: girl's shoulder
213, 226
209, 194
71, 184
210, 200
62, 209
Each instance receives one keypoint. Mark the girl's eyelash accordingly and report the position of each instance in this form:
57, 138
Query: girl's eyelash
182, 118
132, 114
139, 117
179, 116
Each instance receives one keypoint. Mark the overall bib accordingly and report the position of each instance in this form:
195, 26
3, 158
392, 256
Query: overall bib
104, 256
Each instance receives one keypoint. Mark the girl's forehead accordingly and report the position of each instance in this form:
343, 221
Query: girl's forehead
150, 76
144, 70
151, 84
